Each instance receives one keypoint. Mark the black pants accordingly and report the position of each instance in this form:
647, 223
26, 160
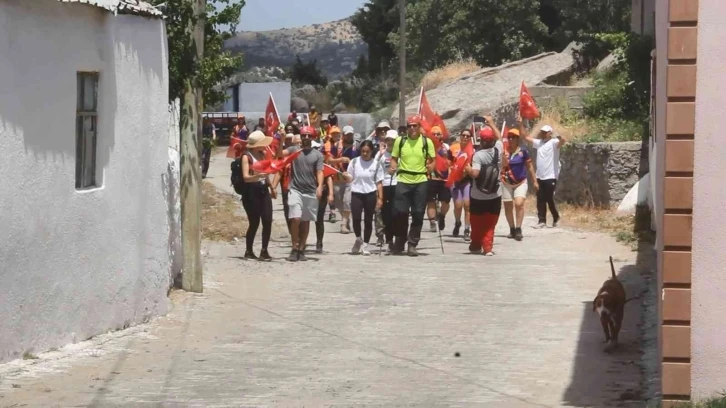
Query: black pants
363, 205
546, 198
206, 155
389, 193
410, 198
285, 207
257, 203
320, 221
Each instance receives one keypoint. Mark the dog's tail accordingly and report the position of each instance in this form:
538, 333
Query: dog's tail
612, 267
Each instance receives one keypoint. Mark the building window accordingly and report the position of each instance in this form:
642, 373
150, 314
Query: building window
86, 130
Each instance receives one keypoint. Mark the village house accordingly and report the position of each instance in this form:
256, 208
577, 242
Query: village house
690, 94
84, 118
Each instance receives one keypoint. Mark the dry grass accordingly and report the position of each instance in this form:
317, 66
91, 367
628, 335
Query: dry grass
222, 215
572, 129
446, 73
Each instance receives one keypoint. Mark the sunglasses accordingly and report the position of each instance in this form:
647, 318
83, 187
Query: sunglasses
412, 126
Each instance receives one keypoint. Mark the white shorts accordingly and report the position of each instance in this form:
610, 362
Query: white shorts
509, 193
302, 206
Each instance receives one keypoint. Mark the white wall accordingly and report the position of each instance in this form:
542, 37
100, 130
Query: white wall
76, 264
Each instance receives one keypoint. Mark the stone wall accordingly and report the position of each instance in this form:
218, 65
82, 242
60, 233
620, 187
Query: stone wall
546, 94
599, 174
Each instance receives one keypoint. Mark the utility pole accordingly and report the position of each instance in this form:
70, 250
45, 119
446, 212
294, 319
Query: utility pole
191, 174
402, 68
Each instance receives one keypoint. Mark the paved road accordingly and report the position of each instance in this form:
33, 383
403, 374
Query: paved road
345, 330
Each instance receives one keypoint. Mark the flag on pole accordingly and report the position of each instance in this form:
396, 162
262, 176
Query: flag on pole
272, 122
429, 118
527, 107
235, 141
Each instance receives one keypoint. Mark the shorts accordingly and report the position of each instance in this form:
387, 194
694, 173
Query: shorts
342, 197
461, 192
509, 193
437, 191
302, 206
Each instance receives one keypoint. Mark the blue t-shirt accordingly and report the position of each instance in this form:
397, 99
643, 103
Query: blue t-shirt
349, 152
517, 170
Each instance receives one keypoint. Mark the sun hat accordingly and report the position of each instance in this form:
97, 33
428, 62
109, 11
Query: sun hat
383, 125
392, 134
348, 130
487, 135
258, 139
546, 128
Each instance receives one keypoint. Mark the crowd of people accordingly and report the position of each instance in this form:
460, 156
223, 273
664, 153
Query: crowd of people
389, 183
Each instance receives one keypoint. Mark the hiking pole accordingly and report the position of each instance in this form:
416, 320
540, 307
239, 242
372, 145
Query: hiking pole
441, 238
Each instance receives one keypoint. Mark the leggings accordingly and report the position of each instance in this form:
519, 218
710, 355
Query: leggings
389, 193
320, 220
285, 207
257, 203
359, 204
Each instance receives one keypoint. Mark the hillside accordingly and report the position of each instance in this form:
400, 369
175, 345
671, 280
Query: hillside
336, 46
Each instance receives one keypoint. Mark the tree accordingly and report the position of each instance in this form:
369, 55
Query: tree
362, 70
309, 73
579, 19
220, 24
374, 21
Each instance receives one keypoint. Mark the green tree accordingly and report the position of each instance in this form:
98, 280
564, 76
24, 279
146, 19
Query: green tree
302, 73
362, 70
221, 19
374, 21
579, 19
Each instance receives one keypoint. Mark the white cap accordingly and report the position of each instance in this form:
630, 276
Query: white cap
348, 130
546, 128
392, 134
384, 124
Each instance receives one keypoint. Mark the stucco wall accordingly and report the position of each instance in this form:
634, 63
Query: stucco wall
76, 264
708, 304
253, 97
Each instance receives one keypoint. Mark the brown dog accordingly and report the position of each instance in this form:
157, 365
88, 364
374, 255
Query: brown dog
610, 305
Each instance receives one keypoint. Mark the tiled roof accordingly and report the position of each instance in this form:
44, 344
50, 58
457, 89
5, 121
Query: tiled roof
137, 7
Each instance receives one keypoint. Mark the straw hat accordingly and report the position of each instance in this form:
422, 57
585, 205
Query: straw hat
258, 139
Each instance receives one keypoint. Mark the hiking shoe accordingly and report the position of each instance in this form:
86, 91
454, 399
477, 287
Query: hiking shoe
432, 226
319, 248
356, 246
365, 250
412, 251
512, 233
490, 253
391, 248
301, 256
381, 241
518, 234
554, 223
457, 227
331, 218
475, 251
467, 235
344, 229
540, 225
250, 255
265, 256
442, 222
294, 256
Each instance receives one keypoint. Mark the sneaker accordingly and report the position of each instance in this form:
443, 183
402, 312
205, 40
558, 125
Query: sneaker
412, 251
475, 251
344, 229
331, 218
467, 235
512, 233
381, 242
391, 248
265, 256
301, 256
432, 226
457, 227
554, 223
442, 222
365, 250
319, 248
294, 256
518, 234
540, 225
490, 253
356, 246
250, 255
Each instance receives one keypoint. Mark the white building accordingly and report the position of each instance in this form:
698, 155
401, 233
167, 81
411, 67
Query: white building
84, 227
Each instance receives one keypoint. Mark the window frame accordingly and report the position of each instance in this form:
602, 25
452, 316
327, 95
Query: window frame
86, 179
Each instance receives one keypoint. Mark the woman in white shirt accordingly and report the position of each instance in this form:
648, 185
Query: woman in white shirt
366, 194
389, 185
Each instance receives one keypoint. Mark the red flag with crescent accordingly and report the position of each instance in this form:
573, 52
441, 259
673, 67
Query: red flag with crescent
527, 107
235, 141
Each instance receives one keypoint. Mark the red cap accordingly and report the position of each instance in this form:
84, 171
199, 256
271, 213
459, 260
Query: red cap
307, 130
414, 120
487, 134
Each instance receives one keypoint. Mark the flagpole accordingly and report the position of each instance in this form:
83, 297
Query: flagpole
275, 105
420, 98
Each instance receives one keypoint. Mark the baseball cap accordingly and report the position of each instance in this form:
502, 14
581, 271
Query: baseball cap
347, 130
546, 128
513, 132
414, 120
307, 130
486, 134
383, 125
334, 129
435, 129
392, 134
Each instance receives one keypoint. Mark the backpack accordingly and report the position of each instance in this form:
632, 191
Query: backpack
238, 182
404, 138
488, 180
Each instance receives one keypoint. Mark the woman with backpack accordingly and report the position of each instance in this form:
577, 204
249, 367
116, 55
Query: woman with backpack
366, 188
257, 196
486, 190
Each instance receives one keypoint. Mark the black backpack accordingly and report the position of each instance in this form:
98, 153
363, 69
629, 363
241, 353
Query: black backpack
238, 182
404, 138
488, 180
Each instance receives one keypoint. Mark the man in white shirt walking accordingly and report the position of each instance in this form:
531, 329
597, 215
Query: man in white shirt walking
548, 170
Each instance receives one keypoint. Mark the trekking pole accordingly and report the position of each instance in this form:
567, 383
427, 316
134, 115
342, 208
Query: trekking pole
441, 238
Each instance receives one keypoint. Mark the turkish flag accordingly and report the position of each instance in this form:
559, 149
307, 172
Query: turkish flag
263, 166
429, 118
329, 171
457, 171
280, 165
527, 107
235, 141
272, 118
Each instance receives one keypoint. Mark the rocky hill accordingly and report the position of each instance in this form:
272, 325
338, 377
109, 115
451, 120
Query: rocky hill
336, 45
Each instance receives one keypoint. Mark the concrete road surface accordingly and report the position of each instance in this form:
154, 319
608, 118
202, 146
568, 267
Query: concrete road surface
441, 330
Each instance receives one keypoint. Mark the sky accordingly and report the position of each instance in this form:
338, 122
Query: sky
262, 15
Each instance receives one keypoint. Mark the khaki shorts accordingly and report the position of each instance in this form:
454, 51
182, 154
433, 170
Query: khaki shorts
342, 196
509, 193
302, 206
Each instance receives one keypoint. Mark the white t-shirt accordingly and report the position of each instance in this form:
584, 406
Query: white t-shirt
366, 174
384, 158
548, 158
481, 159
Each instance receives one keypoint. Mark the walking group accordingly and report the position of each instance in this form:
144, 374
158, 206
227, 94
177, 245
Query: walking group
391, 182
